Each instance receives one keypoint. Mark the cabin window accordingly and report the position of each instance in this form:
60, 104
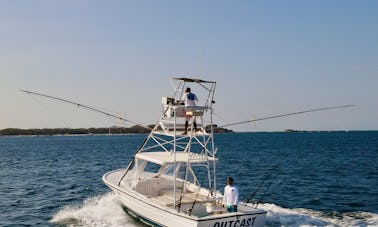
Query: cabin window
181, 172
169, 171
202, 175
152, 167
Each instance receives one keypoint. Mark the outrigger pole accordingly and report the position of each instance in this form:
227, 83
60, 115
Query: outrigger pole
285, 115
85, 107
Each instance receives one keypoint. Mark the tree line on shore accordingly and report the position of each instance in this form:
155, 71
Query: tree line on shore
84, 131
72, 131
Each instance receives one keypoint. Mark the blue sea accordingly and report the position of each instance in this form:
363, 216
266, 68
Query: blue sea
301, 179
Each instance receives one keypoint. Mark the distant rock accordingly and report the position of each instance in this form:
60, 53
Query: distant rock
217, 129
293, 130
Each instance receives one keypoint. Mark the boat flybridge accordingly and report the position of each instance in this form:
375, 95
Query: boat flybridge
171, 180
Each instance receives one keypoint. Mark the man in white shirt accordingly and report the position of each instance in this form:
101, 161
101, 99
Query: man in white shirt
190, 100
231, 196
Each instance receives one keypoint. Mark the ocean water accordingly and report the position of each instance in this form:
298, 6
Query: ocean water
301, 179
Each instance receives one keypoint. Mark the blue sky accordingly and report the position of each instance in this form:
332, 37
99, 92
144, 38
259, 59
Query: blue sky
268, 58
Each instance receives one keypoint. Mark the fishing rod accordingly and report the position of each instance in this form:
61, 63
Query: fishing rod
189, 210
85, 107
258, 188
285, 115
266, 190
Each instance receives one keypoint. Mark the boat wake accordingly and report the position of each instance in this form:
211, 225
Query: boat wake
102, 210
106, 210
278, 216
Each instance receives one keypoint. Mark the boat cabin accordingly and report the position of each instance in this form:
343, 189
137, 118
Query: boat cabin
171, 180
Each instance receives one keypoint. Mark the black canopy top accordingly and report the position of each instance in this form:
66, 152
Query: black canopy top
192, 80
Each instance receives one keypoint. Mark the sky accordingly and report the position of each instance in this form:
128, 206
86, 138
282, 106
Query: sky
267, 57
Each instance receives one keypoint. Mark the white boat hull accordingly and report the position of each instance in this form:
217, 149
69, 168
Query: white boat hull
155, 214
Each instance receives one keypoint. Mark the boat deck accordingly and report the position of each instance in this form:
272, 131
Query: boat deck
197, 201
167, 198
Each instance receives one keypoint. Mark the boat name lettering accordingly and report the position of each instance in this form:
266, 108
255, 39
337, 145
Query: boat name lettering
246, 222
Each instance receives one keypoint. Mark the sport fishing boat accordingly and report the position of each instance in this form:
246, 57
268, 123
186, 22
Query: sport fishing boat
171, 180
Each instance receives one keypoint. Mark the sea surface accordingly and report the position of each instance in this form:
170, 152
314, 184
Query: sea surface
301, 179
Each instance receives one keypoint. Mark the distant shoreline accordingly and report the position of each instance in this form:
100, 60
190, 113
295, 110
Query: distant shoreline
84, 131
71, 131
130, 131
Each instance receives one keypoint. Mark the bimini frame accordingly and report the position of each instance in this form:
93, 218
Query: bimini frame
166, 140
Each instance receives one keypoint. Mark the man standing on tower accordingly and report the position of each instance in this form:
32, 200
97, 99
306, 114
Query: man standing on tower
190, 100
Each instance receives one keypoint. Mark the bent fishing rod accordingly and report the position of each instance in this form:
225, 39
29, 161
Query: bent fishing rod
285, 115
85, 107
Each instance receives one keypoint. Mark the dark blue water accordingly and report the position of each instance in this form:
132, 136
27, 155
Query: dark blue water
305, 179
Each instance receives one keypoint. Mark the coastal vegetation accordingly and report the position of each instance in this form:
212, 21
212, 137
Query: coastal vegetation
85, 131
72, 131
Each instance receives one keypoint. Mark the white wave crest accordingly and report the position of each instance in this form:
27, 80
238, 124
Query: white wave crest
106, 210
103, 210
278, 216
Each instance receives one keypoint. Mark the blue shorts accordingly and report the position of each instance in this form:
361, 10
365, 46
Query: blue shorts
231, 208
